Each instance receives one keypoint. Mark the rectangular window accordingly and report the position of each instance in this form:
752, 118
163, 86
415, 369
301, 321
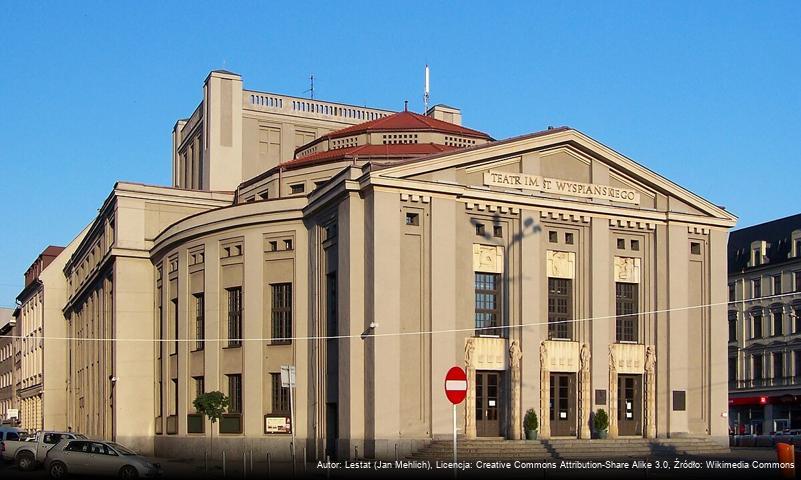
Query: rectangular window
297, 188
732, 369
731, 292
798, 248
280, 395
778, 320
797, 276
174, 395
757, 257
560, 308
282, 311
235, 393
488, 310
797, 360
200, 323
626, 307
797, 310
756, 285
778, 365
756, 325
732, 326
777, 284
234, 316
174, 326
756, 364
200, 386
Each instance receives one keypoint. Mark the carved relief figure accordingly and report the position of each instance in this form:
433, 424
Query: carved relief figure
650, 391
470, 400
515, 355
545, 393
584, 392
612, 393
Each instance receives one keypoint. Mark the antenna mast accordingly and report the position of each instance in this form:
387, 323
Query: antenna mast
426, 94
311, 89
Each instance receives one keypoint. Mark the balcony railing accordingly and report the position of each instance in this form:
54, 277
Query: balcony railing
753, 383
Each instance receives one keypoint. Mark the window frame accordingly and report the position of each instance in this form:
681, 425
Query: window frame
281, 312
560, 308
627, 322
199, 300
279, 396
483, 329
234, 302
234, 394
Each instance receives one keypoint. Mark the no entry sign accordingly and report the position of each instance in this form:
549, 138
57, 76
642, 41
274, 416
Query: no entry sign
456, 385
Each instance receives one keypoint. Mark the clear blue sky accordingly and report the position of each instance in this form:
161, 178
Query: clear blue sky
707, 94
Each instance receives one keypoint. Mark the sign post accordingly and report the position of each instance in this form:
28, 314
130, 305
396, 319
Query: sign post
455, 390
288, 381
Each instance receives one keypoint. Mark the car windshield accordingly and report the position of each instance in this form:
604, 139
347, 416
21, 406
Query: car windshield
122, 450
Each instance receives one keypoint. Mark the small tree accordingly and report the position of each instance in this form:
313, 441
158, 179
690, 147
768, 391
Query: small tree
601, 421
212, 405
530, 422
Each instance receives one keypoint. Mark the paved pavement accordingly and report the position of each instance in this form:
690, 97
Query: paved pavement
742, 463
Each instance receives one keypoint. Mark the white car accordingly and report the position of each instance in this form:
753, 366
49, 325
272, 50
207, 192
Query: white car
95, 457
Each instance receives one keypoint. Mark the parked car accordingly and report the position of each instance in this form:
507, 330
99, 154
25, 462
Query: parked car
95, 457
11, 433
30, 454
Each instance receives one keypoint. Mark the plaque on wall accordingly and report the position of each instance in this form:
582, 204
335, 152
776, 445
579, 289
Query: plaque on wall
679, 400
600, 397
277, 424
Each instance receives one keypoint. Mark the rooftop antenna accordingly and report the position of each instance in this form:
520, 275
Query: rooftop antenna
311, 88
426, 94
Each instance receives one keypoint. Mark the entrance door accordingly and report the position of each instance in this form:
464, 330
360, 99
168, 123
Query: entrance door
488, 389
629, 404
563, 404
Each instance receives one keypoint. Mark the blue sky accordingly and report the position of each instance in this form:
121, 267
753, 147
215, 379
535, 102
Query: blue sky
704, 93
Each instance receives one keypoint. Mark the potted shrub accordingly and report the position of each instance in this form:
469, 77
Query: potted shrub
530, 424
601, 423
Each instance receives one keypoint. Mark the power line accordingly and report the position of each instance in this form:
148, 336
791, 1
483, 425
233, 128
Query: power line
365, 335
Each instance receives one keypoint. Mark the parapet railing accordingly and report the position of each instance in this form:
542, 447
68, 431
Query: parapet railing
272, 102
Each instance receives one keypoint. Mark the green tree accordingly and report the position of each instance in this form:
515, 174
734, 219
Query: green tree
212, 405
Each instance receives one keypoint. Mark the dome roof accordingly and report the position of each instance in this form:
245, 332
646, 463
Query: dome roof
405, 121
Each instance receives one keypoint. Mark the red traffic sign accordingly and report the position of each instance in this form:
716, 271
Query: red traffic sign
456, 385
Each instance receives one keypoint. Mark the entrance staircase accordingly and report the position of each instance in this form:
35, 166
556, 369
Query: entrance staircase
575, 449
491, 449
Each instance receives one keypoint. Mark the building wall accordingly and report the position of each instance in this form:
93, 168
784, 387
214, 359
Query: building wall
110, 279
7, 383
236, 134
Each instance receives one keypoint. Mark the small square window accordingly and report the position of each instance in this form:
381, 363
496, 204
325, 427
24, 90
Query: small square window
569, 238
497, 231
273, 245
635, 245
621, 244
287, 244
412, 219
479, 229
695, 248
553, 237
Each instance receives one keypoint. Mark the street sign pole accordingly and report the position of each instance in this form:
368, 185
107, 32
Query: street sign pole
288, 380
454, 440
456, 391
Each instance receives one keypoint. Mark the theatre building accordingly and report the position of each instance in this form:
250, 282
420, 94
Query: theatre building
373, 250
562, 275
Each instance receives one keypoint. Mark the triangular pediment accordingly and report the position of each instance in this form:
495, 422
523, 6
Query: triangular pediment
563, 164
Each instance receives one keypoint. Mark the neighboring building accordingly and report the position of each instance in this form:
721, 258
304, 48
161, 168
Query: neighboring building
41, 373
29, 345
765, 326
401, 224
7, 397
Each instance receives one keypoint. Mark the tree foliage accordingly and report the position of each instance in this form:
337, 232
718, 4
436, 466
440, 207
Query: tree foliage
211, 404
